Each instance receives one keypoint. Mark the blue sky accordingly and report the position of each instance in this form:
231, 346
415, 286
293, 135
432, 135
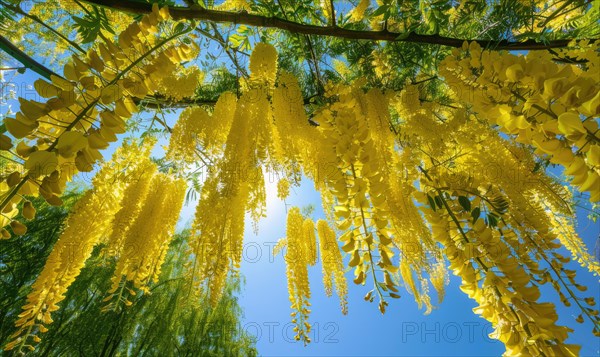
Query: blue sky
452, 329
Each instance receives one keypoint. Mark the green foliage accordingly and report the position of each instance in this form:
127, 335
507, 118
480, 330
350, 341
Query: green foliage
220, 81
6, 15
90, 25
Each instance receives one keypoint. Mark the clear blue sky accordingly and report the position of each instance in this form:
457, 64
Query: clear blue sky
452, 329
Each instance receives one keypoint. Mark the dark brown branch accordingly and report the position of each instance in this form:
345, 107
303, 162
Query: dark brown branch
245, 18
160, 101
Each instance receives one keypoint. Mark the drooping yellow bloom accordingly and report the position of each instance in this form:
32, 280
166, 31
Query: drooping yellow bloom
453, 199
85, 227
358, 13
310, 241
283, 188
182, 85
229, 5
133, 198
297, 274
184, 137
332, 264
149, 235
263, 63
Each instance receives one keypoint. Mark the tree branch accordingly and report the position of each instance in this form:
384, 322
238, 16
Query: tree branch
24, 59
245, 18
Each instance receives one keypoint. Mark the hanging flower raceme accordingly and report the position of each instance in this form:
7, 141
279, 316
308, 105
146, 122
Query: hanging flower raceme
235, 184
198, 134
297, 261
134, 197
86, 226
491, 222
373, 220
144, 247
332, 264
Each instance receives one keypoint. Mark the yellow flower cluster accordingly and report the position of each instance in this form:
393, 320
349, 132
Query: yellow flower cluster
87, 225
226, 197
492, 212
195, 127
370, 197
241, 142
293, 137
301, 243
229, 5
310, 241
215, 131
85, 109
381, 64
148, 236
297, 260
184, 137
134, 196
553, 107
283, 188
263, 63
211, 244
332, 264
183, 84
506, 298
358, 13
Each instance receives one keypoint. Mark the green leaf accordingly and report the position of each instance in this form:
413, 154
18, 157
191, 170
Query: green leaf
475, 214
465, 203
179, 27
439, 202
492, 220
383, 9
90, 25
431, 202
404, 35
